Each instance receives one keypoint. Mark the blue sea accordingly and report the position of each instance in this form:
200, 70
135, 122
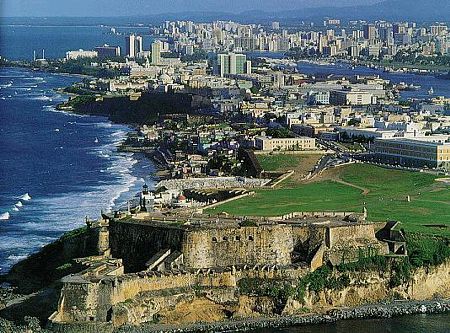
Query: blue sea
55, 167
18, 39
440, 86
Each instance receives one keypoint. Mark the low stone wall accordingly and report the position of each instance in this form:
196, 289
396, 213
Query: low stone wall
278, 180
315, 215
246, 194
212, 183
293, 152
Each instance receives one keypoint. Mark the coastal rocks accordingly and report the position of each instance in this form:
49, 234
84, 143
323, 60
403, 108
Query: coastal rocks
371, 311
31, 325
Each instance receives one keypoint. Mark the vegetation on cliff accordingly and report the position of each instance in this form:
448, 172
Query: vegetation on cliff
84, 66
52, 262
281, 290
425, 251
145, 110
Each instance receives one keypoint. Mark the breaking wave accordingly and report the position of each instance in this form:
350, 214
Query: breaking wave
25, 197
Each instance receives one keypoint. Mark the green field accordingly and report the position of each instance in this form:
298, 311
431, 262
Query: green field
347, 188
279, 161
301, 164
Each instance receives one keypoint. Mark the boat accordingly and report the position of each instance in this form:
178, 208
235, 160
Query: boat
431, 91
96, 140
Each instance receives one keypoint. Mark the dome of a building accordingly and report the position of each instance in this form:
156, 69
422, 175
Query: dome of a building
164, 78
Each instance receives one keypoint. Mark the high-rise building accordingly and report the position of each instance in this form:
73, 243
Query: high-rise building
138, 45
107, 51
189, 49
130, 45
232, 63
370, 31
437, 30
134, 45
386, 34
156, 52
71, 55
399, 28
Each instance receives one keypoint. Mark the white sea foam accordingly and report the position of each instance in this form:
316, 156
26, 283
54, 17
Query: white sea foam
41, 98
103, 125
26, 197
15, 208
4, 216
16, 258
19, 204
67, 211
35, 78
56, 214
51, 108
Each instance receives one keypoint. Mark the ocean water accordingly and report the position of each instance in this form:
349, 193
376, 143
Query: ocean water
441, 87
439, 323
18, 39
53, 172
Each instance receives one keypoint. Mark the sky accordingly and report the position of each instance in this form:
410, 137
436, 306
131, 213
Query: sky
97, 8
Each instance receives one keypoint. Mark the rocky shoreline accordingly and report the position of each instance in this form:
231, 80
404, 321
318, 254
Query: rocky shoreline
382, 310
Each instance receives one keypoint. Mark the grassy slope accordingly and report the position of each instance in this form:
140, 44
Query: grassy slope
386, 199
278, 162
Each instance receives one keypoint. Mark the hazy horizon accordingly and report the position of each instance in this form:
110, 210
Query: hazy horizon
109, 8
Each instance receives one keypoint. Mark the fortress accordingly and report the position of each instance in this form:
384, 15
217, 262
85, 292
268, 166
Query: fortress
145, 266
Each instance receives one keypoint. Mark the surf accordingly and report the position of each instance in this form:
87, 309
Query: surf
4, 216
25, 197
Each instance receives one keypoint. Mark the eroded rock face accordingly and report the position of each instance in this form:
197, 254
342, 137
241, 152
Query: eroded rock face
255, 306
370, 287
220, 304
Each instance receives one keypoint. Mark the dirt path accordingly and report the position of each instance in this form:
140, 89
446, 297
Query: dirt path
364, 190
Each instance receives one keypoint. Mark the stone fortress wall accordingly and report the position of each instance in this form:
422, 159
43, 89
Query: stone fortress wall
148, 259
92, 299
136, 242
267, 244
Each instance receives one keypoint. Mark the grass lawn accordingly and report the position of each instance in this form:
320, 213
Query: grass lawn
301, 164
278, 162
341, 189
